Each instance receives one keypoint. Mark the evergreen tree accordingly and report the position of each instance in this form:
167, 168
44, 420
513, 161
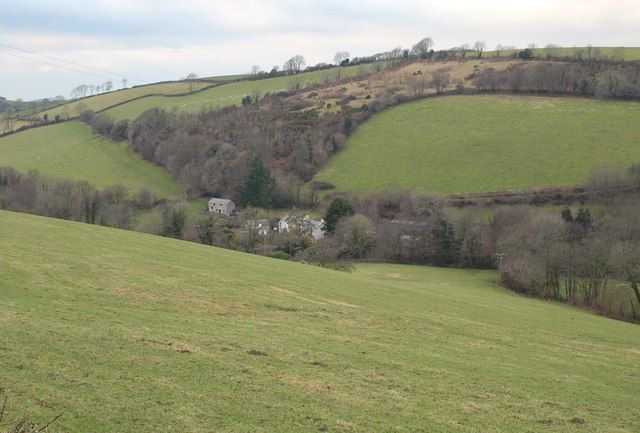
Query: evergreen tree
174, 220
206, 232
338, 209
447, 247
260, 187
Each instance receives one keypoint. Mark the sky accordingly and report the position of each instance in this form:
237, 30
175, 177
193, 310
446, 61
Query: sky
155, 40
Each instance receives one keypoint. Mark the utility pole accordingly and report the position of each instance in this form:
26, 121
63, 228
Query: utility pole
500, 257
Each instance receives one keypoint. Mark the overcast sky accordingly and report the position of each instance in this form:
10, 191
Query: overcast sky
162, 40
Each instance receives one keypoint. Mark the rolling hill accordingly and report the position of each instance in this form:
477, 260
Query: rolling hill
123, 330
486, 143
229, 94
70, 150
105, 100
627, 53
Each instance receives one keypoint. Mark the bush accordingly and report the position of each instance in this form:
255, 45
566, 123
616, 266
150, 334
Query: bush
101, 124
358, 235
120, 130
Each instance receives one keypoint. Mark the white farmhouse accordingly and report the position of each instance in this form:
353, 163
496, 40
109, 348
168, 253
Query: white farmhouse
304, 225
222, 206
259, 225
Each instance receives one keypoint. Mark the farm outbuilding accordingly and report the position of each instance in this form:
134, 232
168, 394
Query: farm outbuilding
222, 206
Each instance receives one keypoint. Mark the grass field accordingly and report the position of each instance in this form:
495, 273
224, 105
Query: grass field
486, 143
123, 330
104, 100
70, 150
628, 53
228, 94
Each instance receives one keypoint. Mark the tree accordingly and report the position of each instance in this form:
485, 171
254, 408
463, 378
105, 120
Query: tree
340, 57
618, 53
626, 257
108, 86
294, 64
440, 79
191, 77
337, 210
422, 49
206, 235
124, 83
174, 220
446, 246
464, 48
358, 235
260, 187
526, 54
498, 49
552, 51
256, 70
479, 46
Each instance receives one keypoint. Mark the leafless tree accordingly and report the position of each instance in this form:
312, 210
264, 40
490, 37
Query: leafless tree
255, 70
190, 78
124, 82
422, 48
340, 57
618, 53
418, 84
108, 86
294, 64
479, 47
499, 48
440, 79
551, 51
464, 49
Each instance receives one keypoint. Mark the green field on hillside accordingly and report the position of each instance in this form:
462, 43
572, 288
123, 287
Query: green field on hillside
486, 143
104, 100
125, 331
70, 150
229, 94
628, 53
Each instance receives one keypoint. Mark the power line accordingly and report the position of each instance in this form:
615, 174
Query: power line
57, 66
71, 63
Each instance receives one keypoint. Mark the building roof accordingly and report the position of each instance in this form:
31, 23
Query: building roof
216, 200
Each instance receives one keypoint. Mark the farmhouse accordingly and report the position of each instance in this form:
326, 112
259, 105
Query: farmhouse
222, 206
304, 225
259, 225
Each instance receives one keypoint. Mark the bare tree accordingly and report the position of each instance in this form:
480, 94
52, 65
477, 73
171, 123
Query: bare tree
464, 49
255, 70
552, 51
418, 84
124, 83
499, 48
340, 57
479, 46
294, 64
440, 79
396, 53
423, 48
190, 78
618, 53
108, 86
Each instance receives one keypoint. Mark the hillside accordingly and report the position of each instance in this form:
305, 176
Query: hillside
124, 330
613, 53
70, 150
486, 143
231, 93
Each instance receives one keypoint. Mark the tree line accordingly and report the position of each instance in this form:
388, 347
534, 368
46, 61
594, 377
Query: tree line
69, 199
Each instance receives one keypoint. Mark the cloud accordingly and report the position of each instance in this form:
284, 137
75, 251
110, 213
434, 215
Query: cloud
162, 39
